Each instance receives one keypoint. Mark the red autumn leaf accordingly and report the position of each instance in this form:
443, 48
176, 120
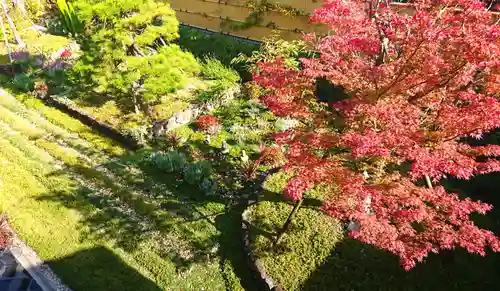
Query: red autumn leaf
65, 53
417, 83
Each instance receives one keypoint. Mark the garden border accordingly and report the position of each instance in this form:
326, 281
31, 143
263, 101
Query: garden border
255, 263
103, 128
31, 262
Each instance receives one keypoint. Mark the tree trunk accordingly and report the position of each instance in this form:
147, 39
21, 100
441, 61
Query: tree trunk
11, 24
428, 181
288, 221
5, 38
136, 104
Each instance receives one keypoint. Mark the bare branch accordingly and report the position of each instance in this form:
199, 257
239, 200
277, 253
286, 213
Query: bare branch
5, 38
12, 25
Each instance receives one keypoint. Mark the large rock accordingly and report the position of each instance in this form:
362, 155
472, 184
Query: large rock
181, 118
188, 115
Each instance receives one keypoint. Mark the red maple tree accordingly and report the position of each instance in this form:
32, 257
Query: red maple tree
417, 82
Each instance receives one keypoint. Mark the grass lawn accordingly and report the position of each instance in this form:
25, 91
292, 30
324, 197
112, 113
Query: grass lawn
102, 219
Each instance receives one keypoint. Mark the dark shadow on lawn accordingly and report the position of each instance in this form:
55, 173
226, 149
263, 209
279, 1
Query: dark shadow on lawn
97, 268
356, 266
206, 225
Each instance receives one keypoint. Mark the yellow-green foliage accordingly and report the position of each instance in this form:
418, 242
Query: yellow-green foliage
276, 182
166, 110
214, 69
36, 7
67, 156
73, 125
45, 190
19, 124
322, 191
131, 56
108, 113
35, 43
69, 17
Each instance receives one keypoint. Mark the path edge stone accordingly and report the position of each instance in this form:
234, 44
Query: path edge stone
31, 262
254, 262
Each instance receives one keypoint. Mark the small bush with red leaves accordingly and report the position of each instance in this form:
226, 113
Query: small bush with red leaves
208, 123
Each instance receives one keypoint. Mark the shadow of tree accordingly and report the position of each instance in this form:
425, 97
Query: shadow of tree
357, 266
129, 203
100, 262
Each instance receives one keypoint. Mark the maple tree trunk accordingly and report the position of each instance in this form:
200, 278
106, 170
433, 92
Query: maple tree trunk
428, 181
288, 221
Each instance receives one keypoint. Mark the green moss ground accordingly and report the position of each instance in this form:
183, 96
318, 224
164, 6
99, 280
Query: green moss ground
102, 219
314, 255
309, 242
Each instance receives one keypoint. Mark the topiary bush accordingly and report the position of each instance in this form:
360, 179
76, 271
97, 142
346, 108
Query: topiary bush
172, 162
195, 172
275, 183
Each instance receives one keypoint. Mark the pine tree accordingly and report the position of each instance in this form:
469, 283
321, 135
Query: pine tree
130, 54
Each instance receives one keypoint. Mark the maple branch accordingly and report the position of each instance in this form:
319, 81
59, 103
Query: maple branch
463, 134
401, 70
425, 92
384, 41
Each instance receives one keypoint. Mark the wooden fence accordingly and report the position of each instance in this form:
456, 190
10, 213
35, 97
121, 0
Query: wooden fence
229, 16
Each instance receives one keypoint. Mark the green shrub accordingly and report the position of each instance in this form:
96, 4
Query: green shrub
129, 55
219, 46
208, 186
137, 132
109, 112
273, 47
322, 191
69, 17
24, 82
214, 69
239, 132
276, 182
164, 111
172, 162
195, 172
